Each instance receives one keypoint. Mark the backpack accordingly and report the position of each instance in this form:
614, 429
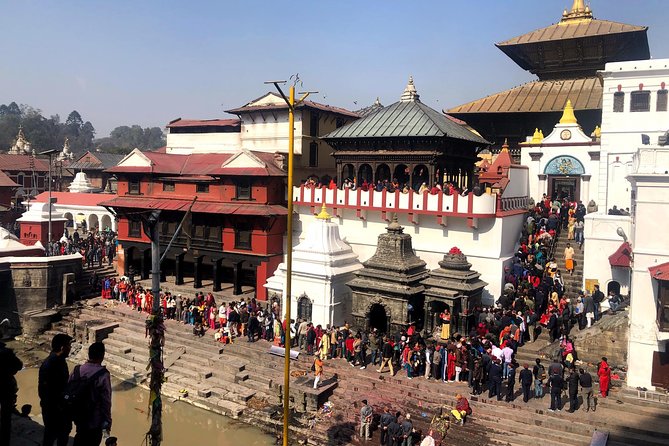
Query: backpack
78, 395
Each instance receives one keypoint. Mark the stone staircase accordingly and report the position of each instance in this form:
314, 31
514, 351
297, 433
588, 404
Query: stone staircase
572, 283
83, 288
243, 381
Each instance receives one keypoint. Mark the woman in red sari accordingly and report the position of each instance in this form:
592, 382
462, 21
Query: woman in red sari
452, 358
604, 373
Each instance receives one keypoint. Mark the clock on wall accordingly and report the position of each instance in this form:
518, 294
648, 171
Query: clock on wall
565, 135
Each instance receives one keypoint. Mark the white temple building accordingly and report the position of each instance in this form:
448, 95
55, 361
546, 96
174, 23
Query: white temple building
322, 265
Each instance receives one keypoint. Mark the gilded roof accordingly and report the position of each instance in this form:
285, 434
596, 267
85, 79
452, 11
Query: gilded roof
405, 119
539, 96
573, 30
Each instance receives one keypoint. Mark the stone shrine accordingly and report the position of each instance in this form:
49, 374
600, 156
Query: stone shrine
322, 265
387, 291
454, 286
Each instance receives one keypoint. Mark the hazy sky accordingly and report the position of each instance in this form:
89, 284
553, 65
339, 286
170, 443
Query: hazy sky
146, 62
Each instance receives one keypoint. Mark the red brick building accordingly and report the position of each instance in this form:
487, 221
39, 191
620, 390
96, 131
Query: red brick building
236, 231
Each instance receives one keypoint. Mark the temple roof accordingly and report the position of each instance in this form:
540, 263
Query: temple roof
407, 118
539, 96
272, 101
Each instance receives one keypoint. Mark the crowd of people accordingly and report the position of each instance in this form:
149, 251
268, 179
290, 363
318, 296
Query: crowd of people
96, 247
391, 185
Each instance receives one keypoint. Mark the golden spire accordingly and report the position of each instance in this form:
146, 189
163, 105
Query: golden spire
568, 116
324, 214
597, 133
537, 137
505, 146
579, 11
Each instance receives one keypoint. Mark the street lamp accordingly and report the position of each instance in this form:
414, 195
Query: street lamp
290, 101
49, 153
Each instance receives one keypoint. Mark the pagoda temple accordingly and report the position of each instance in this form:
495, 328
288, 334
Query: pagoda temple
408, 143
387, 291
454, 286
565, 57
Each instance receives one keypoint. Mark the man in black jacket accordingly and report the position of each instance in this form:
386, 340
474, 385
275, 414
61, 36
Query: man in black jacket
495, 379
384, 422
10, 364
556, 383
525, 379
511, 381
394, 432
573, 381
585, 381
387, 357
53, 376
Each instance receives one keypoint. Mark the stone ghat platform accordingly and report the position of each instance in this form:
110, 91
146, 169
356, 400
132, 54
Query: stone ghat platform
243, 381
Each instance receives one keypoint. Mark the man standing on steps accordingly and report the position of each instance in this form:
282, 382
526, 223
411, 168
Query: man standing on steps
585, 380
525, 379
573, 380
511, 381
384, 422
556, 383
366, 414
53, 376
597, 298
589, 308
495, 379
539, 372
387, 357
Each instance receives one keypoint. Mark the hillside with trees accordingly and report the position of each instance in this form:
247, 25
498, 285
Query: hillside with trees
49, 133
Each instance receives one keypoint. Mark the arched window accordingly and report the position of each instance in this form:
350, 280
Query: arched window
304, 307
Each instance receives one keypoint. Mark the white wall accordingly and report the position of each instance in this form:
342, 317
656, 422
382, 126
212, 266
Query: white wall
601, 240
270, 134
621, 132
185, 143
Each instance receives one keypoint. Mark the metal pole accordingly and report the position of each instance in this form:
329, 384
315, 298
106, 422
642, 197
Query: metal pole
48, 246
289, 264
157, 333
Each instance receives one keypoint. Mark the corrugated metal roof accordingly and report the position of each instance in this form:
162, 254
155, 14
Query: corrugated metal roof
15, 163
573, 30
205, 207
539, 96
5, 181
405, 119
204, 123
96, 161
73, 198
249, 107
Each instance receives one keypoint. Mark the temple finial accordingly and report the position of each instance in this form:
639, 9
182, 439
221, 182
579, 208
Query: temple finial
505, 146
568, 116
579, 10
410, 94
323, 215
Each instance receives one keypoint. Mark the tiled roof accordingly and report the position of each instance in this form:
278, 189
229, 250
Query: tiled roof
96, 161
204, 123
572, 30
5, 181
405, 119
21, 163
72, 198
539, 96
249, 108
199, 206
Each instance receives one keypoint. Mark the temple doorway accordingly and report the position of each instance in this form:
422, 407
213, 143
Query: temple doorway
561, 187
613, 286
377, 318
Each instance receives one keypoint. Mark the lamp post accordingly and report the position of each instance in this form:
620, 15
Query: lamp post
49, 153
290, 101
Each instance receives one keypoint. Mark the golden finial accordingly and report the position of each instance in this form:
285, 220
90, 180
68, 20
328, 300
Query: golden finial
505, 146
597, 133
324, 214
579, 11
568, 116
537, 137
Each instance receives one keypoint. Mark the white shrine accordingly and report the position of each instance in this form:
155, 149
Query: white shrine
322, 265
81, 184
21, 145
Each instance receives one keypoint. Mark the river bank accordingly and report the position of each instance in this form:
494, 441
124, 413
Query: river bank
182, 423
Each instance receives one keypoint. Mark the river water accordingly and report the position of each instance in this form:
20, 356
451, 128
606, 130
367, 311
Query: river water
183, 424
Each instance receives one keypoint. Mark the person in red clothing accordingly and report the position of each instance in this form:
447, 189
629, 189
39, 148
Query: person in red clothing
604, 373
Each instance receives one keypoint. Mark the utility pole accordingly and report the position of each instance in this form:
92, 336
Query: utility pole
48, 153
290, 100
155, 326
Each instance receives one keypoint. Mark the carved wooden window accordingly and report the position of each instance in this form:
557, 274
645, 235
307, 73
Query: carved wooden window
243, 236
202, 188
133, 186
313, 125
134, 228
304, 308
618, 102
313, 154
168, 186
661, 101
243, 190
663, 305
640, 101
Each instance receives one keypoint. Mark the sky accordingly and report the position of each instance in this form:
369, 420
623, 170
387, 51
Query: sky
126, 62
